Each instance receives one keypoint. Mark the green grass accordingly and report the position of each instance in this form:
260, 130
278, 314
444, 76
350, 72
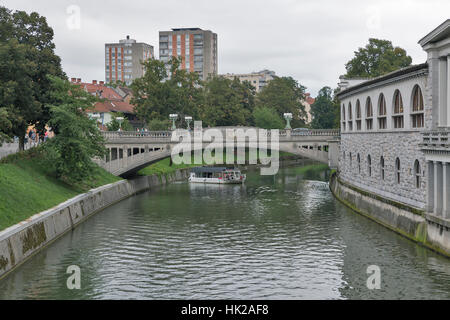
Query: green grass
27, 187
163, 167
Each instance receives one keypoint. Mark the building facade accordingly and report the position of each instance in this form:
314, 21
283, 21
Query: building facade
395, 129
257, 79
196, 47
123, 60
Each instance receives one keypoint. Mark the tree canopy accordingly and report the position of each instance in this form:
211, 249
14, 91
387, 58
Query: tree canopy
26, 58
284, 94
323, 110
377, 58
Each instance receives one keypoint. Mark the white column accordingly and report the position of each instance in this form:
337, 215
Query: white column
438, 188
430, 186
443, 92
448, 91
446, 190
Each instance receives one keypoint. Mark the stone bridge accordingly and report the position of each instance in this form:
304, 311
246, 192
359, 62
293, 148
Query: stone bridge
132, 151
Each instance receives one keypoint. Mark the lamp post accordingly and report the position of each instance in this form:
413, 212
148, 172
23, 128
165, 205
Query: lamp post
188, 120
173, 117
120, 119
288, 118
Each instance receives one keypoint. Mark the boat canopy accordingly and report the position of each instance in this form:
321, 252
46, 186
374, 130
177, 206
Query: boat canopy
210, 169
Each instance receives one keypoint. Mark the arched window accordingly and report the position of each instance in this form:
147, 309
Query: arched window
358, 159
369, 114
343, 117
350, 116
382, 168
369, 165
397, 170
350, 157
417, 108
382, 122
398, 110
417, 173
358, 115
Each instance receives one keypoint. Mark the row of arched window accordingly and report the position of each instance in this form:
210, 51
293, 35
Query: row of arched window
417, 112
382, 166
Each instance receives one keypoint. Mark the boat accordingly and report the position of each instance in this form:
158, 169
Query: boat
219, 175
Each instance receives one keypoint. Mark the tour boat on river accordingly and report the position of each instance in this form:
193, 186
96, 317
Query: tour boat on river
221, 175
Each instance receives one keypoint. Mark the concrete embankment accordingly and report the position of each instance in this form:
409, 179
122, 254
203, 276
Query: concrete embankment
412, 223
26, 238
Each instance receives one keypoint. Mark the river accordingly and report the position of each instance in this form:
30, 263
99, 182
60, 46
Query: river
276, 237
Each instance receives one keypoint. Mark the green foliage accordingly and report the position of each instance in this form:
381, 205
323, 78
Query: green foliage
227, 102
267, 118
77, 139
284, 94
26, 58
155, 95
159, 125
114, 125
323, 110
28, 186
377, 58
5, 126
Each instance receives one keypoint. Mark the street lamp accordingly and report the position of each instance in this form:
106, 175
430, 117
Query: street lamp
288, 118
120, 119
173, 117
188, 120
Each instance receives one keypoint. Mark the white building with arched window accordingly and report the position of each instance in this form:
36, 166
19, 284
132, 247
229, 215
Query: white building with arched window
399, 125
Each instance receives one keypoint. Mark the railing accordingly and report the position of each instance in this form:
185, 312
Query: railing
436, 140
111, 135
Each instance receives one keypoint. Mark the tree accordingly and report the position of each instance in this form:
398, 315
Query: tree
377, 58
323, 110
156, 95
284, 94
159, 125
77, 138
227, 102
114, 125
5, 126
26, 58
267, 118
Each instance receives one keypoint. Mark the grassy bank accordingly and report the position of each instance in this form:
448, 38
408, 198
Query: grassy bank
28, 186
164, 167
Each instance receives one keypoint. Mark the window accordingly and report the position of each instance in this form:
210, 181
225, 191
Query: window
382, 112
369, 165
397, 170
417, 174
163, 38
398, 110
369, 114
417, 108
350, 157
350, 122
358, 159
382, 168
343, 117
358, 115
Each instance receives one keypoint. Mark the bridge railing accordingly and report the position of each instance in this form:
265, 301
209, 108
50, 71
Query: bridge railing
436, 140
111, 135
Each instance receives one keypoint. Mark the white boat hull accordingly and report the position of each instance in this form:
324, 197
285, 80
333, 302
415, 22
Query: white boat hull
215, 180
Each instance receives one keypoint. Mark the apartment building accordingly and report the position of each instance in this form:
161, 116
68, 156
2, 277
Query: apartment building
123, 60
258, 79
196, 47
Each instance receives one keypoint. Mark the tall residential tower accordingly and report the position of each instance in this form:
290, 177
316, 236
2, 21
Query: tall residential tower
196, 47
123, 60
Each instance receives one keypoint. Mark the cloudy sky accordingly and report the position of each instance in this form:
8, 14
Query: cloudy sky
308, 40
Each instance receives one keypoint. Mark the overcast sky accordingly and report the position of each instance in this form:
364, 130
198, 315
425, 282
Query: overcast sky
308, 40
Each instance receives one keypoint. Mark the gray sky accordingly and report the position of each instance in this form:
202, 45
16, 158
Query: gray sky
308, 40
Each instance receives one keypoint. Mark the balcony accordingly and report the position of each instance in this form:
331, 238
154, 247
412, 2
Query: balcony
436, 141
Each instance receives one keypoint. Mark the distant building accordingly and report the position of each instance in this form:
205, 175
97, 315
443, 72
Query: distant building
113, 100
196, 47
258, 79
123, 60
307, 104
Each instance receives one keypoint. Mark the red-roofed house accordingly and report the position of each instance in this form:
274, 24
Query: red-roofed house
307, 103
113, 100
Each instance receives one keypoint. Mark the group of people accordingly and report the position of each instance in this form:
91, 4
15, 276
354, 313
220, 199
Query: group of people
33, 138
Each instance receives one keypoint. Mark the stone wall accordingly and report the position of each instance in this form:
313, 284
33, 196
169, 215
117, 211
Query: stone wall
390, 145
26, 238
405, 220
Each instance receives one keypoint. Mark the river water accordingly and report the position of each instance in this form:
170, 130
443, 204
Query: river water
277, 237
